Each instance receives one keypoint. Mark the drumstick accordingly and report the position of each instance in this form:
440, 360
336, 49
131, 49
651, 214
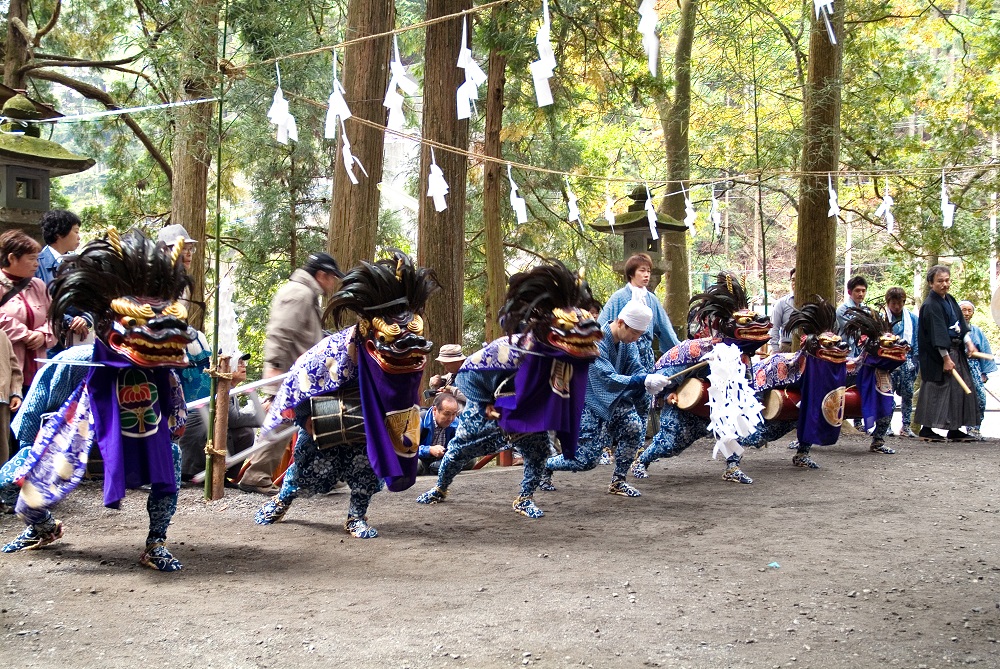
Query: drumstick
686, 370
958, 378
981, 355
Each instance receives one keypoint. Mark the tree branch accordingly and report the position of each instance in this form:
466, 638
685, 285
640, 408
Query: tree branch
94, 93
51, 61
47, 28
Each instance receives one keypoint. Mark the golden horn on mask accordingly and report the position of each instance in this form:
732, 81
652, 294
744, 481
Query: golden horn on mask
115, 240
177, 310
124, 307
178, 250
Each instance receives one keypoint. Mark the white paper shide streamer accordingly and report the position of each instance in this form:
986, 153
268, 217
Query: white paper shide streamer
437, 187
609, 209
280, 116
468, 92
834, 205
651, 214
516, 201
824, 10
543, 68
690, 215
648, 19
228, 326
337, 106
574, 211
947, 207
733, 407
885, 209
338, 112
394, 99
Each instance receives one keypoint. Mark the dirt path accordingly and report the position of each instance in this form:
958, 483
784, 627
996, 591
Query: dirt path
884, 561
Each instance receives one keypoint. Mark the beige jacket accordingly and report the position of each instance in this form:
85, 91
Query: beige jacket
11, 379
295, 324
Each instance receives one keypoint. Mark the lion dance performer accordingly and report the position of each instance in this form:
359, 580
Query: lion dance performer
130, 400
354, 395
723, 312
528, 382
881, 352
813, 377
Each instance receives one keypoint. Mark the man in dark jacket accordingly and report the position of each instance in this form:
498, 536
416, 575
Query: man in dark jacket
295, 325
943, 340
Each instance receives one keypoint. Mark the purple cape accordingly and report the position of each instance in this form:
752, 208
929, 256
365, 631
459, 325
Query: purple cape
821, 410
549, 394
140, 453
381, 393
875, 388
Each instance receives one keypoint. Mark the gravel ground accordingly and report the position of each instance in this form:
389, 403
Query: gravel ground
872, 560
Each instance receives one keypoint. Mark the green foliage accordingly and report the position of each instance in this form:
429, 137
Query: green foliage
919, 94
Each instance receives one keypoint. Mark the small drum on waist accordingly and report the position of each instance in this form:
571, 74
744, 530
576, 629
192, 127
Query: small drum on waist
692, 396
337, 419
781, 404
852, 403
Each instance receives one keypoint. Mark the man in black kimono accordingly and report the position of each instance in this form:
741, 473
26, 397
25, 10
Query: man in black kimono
943, 340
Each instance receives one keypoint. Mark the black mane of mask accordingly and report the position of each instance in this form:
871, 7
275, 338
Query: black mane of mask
111, 267
816, 317
715, 307
532, 296
863, 322
383, 288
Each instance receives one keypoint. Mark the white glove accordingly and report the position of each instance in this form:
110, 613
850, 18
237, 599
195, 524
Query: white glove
655, 383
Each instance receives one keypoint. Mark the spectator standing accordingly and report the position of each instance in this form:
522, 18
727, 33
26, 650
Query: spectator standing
857, 289
24, 304
904, 325
11, 387
782, 341
295, 325
61, 233
978, 367
943, 338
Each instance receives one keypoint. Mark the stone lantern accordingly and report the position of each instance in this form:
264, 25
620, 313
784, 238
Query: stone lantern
28, 162
633, 226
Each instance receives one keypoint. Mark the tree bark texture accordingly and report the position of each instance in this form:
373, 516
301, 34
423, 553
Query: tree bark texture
441, 235
675, 118
192, 151
816, 253
354, 209
16, 53
496, 272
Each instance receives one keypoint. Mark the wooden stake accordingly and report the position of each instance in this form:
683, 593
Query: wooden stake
217, 449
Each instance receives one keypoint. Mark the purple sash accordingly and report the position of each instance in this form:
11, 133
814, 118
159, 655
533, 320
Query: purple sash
549, 394
381, 393
821, 410
130, 408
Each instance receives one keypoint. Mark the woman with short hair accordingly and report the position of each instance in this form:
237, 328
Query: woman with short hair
24, 301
